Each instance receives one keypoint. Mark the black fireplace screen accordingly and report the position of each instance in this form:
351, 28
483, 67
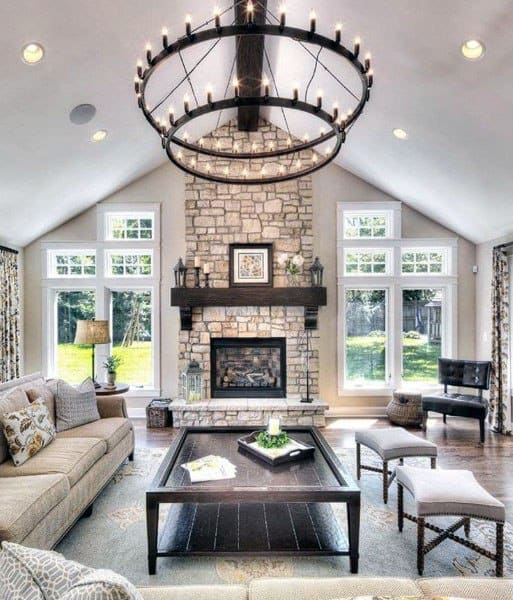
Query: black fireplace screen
248, 367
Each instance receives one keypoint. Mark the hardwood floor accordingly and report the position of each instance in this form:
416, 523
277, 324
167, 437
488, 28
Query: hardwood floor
458, 448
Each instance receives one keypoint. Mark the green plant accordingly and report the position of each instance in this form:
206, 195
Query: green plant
272, 441
412, 335
376, 333
112, 363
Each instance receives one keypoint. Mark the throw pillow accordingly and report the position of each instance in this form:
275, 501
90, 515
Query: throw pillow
103, 584
74, 406
33, 574
42, 392
27, 431
9, 402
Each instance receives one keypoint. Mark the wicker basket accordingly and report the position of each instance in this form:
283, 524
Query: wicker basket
158, 413
405, 408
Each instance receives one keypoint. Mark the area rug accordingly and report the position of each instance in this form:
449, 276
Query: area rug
114, 537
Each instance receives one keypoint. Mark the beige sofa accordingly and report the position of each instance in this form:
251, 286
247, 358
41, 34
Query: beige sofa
339, 587
42, 499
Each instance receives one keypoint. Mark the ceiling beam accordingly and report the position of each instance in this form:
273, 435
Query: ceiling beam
250, 62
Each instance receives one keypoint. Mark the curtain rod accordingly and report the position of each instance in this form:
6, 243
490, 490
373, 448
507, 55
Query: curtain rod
6, 249
503, 246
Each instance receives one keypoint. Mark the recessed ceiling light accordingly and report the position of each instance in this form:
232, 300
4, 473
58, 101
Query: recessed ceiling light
82, 114
472, 49
32, 53
400, 134
99, 136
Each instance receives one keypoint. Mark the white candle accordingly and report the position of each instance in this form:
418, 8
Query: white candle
273, 427
197, 262
206, 268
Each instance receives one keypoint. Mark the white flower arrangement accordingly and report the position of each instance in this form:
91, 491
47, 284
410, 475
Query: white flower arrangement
292, 265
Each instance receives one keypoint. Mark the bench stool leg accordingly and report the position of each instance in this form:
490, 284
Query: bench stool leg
420, 545
466, 528
385, 481
424, 420
482, 430
499, 551
358, 461
445, 418
400, 507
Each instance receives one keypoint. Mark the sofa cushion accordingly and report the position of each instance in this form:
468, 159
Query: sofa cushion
26, 501
111, 430
41, 391
491, 588
72, 457
50, 571
74, 406
195, 592
104, 584
21, 382
27, 431
9, 402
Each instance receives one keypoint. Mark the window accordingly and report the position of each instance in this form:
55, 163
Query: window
422, 331
132, 339
365, 337
423, 261
397, 301
72, 263
72, 362
130, 226
365, 262
129, 263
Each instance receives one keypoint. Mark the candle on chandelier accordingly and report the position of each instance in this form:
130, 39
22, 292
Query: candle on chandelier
137, 84
193, 162
322, 131
226, 171
253, 147
262, 171
139, 67
298, 163
188, 22
171, 116
281, 170
370, 77
164, 37
186, 103
335, 111
306, 138
271, 145
251, 12
282, 11
236, 87
366, 62
327, 152
314, 158
295, 93
265, 83
289, 142
356, 48
179, 155
148, 53
236, 147
319, 99
209, 94
217, 17
218, 145
244, 172
201, 142
209, 168
338, 32
313, 21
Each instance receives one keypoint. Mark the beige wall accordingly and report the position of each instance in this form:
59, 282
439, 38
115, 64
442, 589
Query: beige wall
166, 185
332, 185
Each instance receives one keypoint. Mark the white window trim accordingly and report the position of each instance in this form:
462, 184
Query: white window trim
394, 282
374, 249
127, 252
391, 208
102, 286
51, 263
123, 209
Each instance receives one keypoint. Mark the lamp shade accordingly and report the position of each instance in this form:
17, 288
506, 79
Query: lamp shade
92, 332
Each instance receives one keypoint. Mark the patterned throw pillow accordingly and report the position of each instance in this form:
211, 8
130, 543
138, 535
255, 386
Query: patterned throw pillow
74, 406
27, 431
103, 584
9, 402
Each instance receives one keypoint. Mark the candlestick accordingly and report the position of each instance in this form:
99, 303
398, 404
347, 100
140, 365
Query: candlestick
338, 32
335, 111
217, 17
209, 94
207, 283
188, 22
265, 83
295, 93
273, 426
236, 87
251, 12
164, 37
370, 78
186, 103
282, 10
367, 61
171, 116
319, 99
196, 276
139, 68
148, 53
313, 21
356, 49
137, 83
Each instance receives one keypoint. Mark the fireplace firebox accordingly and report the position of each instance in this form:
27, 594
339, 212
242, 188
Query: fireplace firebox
248, 367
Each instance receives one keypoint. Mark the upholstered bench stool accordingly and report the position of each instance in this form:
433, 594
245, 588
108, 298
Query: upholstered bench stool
391, 443
449, 493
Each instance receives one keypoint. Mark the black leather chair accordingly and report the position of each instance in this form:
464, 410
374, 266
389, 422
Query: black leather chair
460, 373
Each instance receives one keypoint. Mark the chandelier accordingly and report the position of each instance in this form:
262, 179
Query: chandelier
246, 161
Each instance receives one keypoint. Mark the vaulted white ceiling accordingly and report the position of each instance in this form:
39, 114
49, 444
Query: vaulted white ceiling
455, 167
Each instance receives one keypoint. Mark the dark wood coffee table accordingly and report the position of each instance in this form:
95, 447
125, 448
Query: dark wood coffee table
264, 510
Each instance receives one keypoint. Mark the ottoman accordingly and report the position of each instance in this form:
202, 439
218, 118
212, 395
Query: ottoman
391, 443
405, 408
446, 493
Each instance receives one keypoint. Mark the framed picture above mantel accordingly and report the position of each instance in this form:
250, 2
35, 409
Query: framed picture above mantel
251, 265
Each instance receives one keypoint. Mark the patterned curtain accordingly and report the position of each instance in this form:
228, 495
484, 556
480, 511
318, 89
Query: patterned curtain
500, 387
9, 316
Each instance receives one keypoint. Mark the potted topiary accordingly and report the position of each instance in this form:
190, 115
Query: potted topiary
111, 364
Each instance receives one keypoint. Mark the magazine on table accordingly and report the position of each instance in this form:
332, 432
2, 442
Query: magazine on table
210, 468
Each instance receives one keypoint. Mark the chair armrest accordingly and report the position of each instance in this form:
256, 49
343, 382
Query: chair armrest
111, 406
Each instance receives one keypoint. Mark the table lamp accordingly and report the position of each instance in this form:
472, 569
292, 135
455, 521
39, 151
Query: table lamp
92, 332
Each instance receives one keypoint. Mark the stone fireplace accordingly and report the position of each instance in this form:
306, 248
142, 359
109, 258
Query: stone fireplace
248, 368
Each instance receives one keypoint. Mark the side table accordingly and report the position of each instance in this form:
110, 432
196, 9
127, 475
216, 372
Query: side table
119, 388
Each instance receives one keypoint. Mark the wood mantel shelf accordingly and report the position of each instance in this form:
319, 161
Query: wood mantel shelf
308, 297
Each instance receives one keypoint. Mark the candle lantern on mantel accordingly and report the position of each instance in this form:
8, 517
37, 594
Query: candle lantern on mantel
180, 273
192, 382
316, 271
